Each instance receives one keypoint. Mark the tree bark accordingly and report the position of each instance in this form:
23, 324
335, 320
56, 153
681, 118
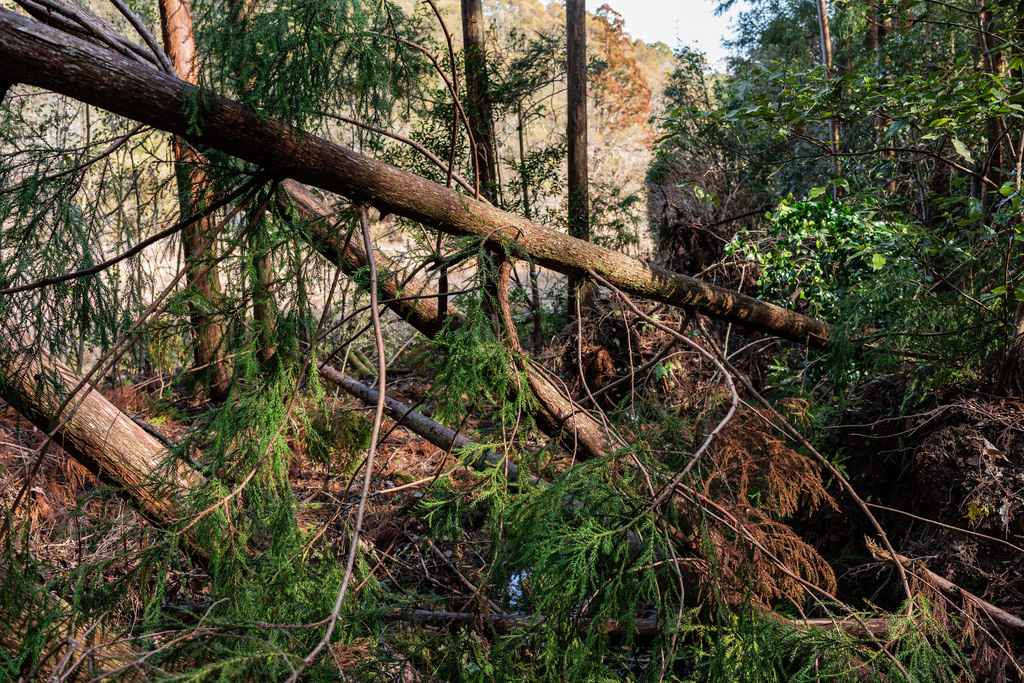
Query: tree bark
38, 55
576, 136
98, 434
577, 430
478, 104
194, 189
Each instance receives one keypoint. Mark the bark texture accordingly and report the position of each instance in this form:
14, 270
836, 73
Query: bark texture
478, 99
98, 434
38, 55
576, 136
195, 189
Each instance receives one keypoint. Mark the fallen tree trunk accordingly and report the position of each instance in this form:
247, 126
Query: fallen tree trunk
69, 649
437, 434
578, 431
36, 54
98, 434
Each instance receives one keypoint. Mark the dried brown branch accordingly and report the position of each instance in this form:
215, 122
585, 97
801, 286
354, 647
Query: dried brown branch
1000, 616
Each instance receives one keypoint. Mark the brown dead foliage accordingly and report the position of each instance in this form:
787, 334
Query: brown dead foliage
759, 481
759, 469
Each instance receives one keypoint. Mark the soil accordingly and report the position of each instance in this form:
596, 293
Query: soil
957, 466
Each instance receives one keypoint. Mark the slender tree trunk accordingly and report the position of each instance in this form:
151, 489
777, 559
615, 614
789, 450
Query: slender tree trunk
524, 179
1011, 375
35, 54
877, 29
478, 99
194, 189
477, 102
993, 62
826, 59
264, 310
576, 135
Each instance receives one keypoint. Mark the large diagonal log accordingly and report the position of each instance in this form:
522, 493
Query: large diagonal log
579, 432
35, 54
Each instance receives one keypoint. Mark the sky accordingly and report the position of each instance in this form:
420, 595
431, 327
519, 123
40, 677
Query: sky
689, 23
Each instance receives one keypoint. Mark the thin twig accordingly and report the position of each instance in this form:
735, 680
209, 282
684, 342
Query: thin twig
368, 474
408, 141
113, 147
947, 526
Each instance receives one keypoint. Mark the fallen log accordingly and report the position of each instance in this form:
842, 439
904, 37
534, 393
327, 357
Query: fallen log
437, 434
36, 54
578, 431
98, 434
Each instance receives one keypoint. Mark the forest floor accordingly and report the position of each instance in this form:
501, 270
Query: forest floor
945, 480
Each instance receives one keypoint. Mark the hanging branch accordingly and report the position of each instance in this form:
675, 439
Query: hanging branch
163, 234
437, 434
378, 416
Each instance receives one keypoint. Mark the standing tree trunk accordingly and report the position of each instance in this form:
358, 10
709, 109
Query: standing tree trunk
524, 179
481, 127
194, 189
264, 310
478, 103
576, 134
1011, 376
826, 60
993, 62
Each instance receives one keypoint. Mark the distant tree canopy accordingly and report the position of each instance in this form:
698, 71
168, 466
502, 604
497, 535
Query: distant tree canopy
927, 100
